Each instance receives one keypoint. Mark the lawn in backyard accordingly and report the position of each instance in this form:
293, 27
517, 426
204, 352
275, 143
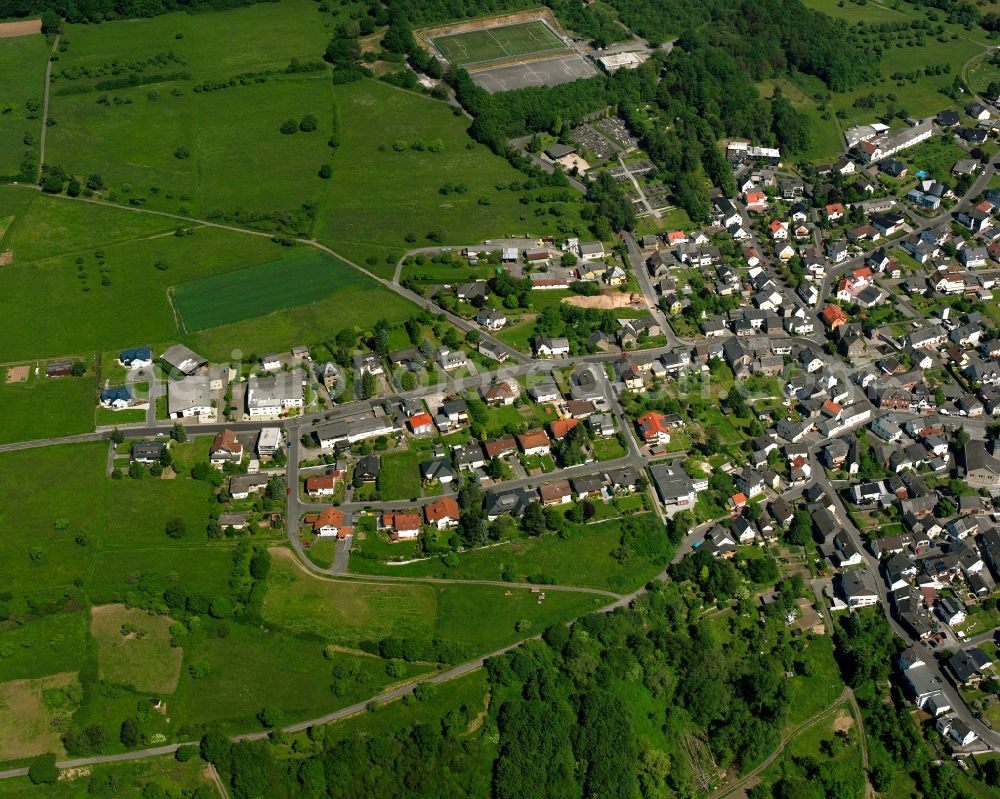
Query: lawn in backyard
302, 276
582, 558
369, 213
46, 407
108, 417
400, 477
22, 63
500, 42
607, 449
935, 156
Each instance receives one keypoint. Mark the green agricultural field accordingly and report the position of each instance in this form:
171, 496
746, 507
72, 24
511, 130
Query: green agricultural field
503, 41
369, 212
133, 648
22, 62
234, 157
46, 407
142, 260
305, 323
303, 276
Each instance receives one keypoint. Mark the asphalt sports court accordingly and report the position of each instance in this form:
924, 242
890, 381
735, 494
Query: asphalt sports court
547, 72
499, 42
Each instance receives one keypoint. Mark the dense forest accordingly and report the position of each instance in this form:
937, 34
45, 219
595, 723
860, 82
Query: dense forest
101, 10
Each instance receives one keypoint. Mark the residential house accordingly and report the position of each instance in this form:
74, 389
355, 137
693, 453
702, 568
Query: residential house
136, 358
330, 523
442, 513
534, 442
226, 448
402, 526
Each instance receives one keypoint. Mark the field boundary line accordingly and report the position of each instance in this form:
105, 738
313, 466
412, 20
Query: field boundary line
178, 319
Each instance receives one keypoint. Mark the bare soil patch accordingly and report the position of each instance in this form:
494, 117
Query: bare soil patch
18, 374
24, 27
607, 301
843, 722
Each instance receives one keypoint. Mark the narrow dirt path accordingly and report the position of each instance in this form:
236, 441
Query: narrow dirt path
45, 106
785, 740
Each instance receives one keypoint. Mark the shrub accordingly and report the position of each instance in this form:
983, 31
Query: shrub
186, 752
43, 770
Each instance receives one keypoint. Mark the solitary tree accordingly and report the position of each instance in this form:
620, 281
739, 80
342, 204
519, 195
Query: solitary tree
176, 528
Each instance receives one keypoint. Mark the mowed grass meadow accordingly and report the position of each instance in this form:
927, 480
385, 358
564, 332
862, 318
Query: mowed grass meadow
22, 63
479, 618
921, 97
236, 157
133, 648
44, 407
179, 779
383, 189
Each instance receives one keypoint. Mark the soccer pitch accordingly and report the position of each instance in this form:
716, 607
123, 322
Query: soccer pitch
494, 44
